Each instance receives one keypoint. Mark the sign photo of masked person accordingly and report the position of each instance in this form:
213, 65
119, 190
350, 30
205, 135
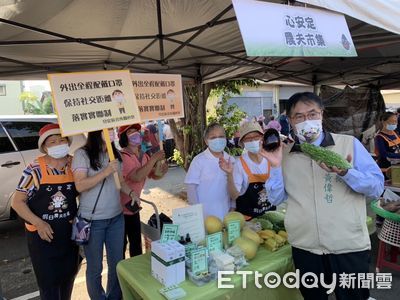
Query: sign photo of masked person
119, 99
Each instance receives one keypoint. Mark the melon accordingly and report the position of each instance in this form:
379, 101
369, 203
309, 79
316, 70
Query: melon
251, 235
248, 247
234, 216
213, 224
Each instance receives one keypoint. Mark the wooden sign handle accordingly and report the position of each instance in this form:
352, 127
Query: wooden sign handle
160, 134
111, 155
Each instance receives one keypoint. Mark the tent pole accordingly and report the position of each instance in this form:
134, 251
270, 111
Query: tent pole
197, 33
160, 35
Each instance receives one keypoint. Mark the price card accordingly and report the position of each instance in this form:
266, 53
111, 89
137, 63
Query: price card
173, 292
189, 248
233, 231
199, 261
169, 233
214, 242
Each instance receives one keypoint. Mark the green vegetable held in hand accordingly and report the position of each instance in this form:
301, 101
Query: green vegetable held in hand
330, 158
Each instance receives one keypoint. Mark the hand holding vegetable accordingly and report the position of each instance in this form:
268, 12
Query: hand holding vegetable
340, 172
328, 160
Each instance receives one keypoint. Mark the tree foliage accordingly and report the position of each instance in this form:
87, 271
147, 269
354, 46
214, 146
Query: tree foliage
189, 133
228, 115
32, 105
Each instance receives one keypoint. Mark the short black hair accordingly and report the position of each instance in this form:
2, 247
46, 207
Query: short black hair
398, 110
305, 97
387, 115
123, 140
116, 91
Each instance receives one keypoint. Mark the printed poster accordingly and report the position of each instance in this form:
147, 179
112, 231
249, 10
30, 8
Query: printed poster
159, 96
90, 101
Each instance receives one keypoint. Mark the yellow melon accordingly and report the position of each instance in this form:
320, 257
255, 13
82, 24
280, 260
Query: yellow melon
213, 224
233, 216
248, 247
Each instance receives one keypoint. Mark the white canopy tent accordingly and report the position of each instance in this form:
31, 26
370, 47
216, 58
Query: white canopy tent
382, 13
199, 39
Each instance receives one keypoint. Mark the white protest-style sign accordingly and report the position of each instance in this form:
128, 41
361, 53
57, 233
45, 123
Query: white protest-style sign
90, 101
159, 96
270, 29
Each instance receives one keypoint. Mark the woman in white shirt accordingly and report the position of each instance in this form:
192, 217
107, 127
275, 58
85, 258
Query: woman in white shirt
247, 178
206, 183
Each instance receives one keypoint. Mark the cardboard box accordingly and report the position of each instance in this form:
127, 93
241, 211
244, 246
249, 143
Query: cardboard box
168, 262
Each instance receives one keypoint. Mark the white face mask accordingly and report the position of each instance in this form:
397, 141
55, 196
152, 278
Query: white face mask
170, 97
119, 98
58, 151
253, 147
309, 130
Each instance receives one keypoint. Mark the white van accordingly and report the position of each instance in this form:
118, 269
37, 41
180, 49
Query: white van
19, 147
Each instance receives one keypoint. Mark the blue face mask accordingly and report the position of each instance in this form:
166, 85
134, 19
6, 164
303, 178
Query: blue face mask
253, 147
217, 144
391, 127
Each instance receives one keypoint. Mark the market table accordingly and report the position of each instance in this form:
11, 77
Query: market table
137, 283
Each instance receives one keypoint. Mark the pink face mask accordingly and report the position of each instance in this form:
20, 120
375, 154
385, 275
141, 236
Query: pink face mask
112, 135
135, 138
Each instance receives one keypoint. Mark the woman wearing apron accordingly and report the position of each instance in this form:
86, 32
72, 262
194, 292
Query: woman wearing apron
247, 177
387, 147
46, 200
387, 142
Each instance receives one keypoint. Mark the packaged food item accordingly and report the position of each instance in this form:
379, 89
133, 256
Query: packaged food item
168, 262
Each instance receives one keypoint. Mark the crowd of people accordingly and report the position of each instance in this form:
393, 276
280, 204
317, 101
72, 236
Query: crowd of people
325, 214
46, 199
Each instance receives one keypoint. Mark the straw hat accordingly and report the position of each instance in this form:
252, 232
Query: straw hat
249, 127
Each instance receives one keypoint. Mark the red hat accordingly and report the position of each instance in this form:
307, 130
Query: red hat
122, 129
45, 132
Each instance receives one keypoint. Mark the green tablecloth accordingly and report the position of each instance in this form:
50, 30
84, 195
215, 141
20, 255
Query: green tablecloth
137, 283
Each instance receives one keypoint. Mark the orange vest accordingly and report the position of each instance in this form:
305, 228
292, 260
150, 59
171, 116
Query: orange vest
391, 143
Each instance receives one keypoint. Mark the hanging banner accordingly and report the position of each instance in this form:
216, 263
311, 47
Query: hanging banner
159, 96
270, 29
90, 101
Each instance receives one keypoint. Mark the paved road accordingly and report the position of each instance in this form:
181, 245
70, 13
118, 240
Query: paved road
16, 274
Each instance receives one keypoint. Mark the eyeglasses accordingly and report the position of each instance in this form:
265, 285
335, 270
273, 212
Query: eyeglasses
252, 138
314, 115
